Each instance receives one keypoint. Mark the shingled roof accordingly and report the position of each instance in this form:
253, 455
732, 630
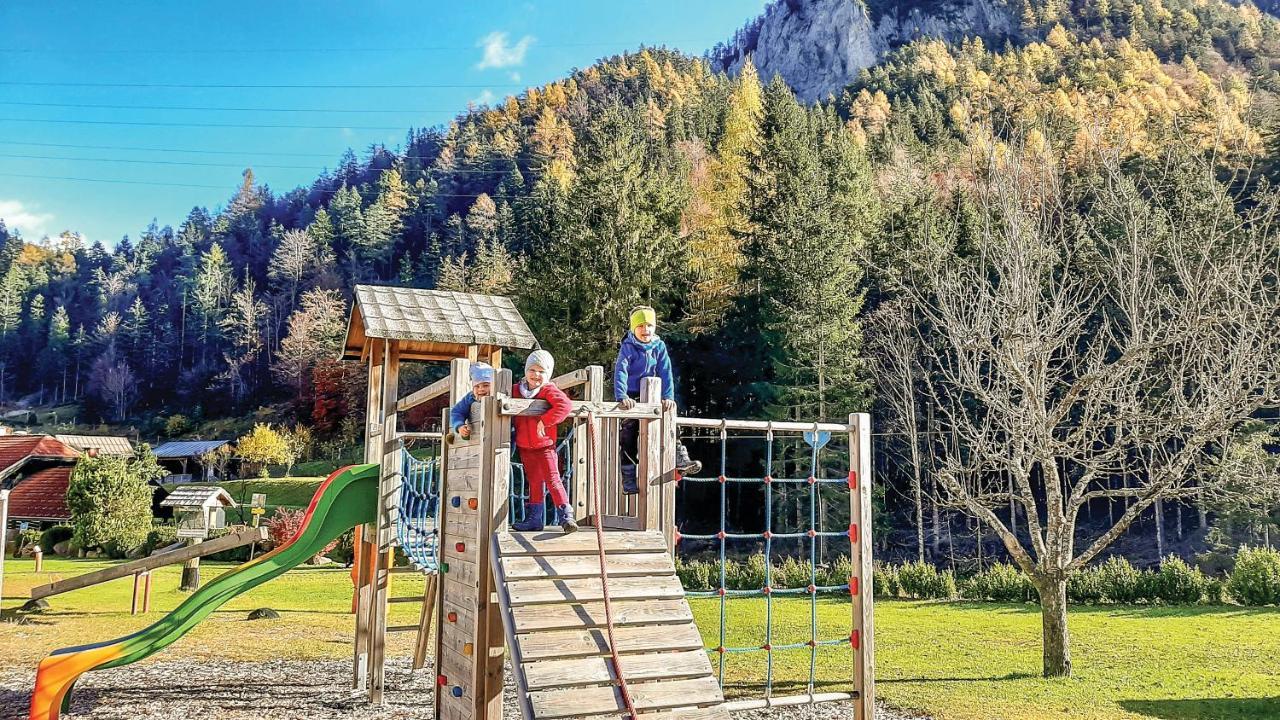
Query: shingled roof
434, 324
105, 444
42, 495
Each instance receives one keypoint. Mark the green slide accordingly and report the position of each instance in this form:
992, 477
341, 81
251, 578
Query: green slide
346, 499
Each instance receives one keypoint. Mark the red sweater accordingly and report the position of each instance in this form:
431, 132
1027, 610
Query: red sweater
539, 431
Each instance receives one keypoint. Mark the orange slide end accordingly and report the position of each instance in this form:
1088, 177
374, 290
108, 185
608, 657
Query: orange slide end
57, 673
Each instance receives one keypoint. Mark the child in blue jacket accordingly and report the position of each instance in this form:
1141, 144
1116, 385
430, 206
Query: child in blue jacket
643, 355
481, 386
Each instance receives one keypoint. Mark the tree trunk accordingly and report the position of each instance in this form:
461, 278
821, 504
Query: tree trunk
936, 540
1159, 506
1053, 616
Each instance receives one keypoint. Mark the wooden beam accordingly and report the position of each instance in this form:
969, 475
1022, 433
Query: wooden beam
573, 379
426, 394
864, 665
642, 411
232, 540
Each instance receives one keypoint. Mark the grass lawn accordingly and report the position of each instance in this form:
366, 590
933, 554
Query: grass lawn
955, 661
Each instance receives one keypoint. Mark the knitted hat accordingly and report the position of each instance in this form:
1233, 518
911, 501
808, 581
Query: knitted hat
481, 372
542, 358
643, 315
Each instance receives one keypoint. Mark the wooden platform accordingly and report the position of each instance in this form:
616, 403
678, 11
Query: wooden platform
552, 599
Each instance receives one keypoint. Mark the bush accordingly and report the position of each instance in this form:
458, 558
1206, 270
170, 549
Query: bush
999, 583
837, 573
695, 575
177, 425
235, 554
28, 537
345, 551
1121, 582
1087, 586
159, 537
1256, 577
746, 575
110, 500
922, 581
1215, 592
54, 535
793, 573
884, 581
1177, 583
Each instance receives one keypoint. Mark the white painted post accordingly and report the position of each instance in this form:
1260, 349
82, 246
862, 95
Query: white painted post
4, 534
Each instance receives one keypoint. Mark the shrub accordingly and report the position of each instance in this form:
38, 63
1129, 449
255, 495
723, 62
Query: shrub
54, 535
746, 575
922, 581
110, 500
1256, 577
235, 554
345, 551
999, 583
1215, 592
177, 425
1121, 582
28, 537
283, 524
793, 573
837, 573
1087, 586
1177, 583
694, 575
884, 580
160, 536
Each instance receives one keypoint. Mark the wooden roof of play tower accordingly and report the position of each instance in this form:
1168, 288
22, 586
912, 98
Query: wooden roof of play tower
433, 324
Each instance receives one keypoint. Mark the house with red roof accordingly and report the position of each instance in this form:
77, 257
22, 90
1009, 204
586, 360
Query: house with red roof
36, 469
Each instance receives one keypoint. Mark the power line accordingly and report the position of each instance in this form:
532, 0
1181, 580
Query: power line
193, 151
190, 163
245, 86
119, 181
78, 50
256, 126
229, 109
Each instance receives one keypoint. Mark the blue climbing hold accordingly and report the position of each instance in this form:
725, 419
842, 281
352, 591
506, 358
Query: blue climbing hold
457, 691
456, 501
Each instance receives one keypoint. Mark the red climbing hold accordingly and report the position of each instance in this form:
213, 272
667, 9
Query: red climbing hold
473, 503
853, 533
453, 617
853, 479
676, 536
460, 547
441, 680
853, 586
853, 640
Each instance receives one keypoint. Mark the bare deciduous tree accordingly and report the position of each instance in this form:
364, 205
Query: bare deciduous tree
1093, 344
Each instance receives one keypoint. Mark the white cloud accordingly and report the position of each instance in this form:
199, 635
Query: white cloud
34, 225
500, 53
484, 98
515, 77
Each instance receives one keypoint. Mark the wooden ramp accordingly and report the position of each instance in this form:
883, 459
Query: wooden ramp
549, 586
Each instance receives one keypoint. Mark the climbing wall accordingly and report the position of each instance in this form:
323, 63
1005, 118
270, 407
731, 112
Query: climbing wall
551, 591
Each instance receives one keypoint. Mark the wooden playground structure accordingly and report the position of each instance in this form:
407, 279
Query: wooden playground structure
596, 623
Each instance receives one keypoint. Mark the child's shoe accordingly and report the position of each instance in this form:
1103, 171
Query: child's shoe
564, 518
534, 518
684, 464
629, 484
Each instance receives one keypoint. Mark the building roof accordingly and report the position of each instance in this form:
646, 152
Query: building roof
105, 444
187, 448
42, 495
434, 324
198, 496
17, 449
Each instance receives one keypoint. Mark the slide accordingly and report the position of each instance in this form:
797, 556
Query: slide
346, 499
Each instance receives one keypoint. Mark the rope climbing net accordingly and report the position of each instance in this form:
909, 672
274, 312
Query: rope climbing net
788, 494
420, 507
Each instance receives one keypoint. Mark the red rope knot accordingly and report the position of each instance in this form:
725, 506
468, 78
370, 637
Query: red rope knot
811, 480
721, 479
812, 643
767, 590
813, 590
720, 650
720, 591
768, 479
853, 479
676, 537
767, 646
768, 535
720, 535
811, 533
853, 532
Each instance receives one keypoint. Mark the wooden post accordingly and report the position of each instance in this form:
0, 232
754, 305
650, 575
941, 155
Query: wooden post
649, 468
493, 494
460, 385
670, 437
133, 601
146, 592
424, 622
4, 535
38, 556
592, 391
365, 556
388, 498
191, 571
863, 636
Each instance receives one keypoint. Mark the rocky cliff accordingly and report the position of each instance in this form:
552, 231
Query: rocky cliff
818, 46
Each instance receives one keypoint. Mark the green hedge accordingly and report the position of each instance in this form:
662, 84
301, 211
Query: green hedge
1255, 580
749, 574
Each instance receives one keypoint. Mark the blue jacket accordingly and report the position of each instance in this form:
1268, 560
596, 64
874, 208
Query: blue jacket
460, 414
636, 361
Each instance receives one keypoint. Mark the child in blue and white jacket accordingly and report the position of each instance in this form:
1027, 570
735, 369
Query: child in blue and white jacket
481, 386
643, 355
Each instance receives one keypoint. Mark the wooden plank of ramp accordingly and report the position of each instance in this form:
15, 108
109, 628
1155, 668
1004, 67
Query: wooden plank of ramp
542, 592
715, 712
582, 702
551, 674
532, 618
580, 643
579, 566
517, 544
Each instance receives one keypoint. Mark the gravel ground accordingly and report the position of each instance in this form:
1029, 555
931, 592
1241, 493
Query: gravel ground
282, 690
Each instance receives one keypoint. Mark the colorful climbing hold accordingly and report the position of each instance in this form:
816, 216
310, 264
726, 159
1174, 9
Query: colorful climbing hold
468, 649
457, 691
453, 617
456, 501
473, 503
444, 567
441, 680
460, 547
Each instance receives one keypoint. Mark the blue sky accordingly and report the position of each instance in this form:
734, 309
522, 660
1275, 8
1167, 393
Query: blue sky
101, 90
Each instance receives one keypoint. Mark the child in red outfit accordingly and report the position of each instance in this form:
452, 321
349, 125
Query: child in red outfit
536, 441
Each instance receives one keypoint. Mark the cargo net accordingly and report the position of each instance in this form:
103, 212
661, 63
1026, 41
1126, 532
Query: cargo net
420, 506
765, 544
520, 486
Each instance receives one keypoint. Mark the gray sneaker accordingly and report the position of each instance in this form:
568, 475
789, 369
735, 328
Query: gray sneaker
684, 464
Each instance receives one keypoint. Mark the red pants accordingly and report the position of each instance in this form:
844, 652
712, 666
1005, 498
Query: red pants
542, 469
